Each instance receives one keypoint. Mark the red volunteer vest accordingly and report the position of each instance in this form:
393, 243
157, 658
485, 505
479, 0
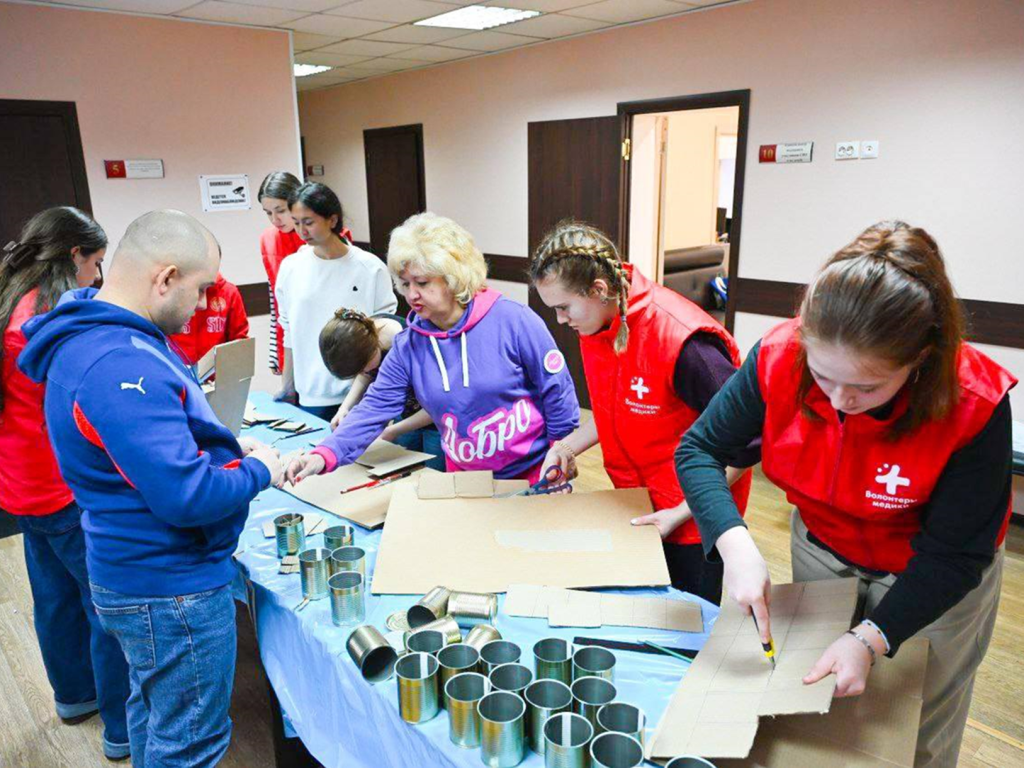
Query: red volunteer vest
275, 247
859, 492
640, 418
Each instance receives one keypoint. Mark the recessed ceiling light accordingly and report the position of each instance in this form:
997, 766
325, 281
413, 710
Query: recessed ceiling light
305, 70
477, 17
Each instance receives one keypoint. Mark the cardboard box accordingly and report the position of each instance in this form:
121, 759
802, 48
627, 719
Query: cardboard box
484, 545
233, 364
716, 709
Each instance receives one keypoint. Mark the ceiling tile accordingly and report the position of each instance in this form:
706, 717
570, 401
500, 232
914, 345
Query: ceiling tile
215, 10
322, 24
387, 65
544, 6
624, 11
303, 41
328, 59
407, 33
309, 6
366, 48
490, 41
552, 25
396, 11
139, 6
435, 53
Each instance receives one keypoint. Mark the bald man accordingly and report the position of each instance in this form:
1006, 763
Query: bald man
164, 487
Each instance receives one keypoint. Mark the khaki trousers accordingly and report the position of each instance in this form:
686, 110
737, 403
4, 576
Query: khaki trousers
958, 642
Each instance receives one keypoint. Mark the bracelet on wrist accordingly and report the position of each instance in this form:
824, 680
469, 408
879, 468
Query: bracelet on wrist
864, 641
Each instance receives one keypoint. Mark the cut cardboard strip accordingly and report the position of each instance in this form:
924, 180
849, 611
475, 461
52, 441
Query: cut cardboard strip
383, 458
234, 364
251, 417
453, 542
289, 564
715, 710
877, 729
573, 608
451, 485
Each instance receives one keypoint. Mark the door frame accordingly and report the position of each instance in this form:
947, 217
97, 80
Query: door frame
417, 130
68, 113
739, 98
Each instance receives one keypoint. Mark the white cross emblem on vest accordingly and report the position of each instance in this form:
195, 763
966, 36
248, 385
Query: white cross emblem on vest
639, 388
891, 479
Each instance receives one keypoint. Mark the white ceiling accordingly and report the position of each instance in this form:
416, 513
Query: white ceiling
370, 38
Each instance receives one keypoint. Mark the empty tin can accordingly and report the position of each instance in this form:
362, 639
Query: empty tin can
544, 698
463, 693
348, 605
338, 536
417, 687
511, 677
472, 608
567, 738
593, 661
374, 655
425, 641
589, 694
502, 729
552, 659
313, 572
689, 761
456, 660
431, 607
290, 532
498, 652
616, 750
446, 625
348, 559
619, 717
481, 635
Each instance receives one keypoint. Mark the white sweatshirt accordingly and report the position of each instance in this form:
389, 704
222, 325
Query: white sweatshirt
309, 290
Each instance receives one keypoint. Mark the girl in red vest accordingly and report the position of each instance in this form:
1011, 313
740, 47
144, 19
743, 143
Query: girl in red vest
653, 360
277, 242
892, 438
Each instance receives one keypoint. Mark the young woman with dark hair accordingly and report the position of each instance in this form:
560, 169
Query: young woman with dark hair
891, 437
278, 242
58, 250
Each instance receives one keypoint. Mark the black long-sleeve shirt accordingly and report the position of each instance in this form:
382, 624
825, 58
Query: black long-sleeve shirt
959, 526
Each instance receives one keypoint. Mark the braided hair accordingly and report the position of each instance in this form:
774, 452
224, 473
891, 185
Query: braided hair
348, 342
887, 294
577, 254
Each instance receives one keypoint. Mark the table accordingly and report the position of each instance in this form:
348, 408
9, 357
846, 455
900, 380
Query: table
345, 722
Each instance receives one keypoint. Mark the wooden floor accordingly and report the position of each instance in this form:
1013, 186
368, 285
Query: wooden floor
31, 735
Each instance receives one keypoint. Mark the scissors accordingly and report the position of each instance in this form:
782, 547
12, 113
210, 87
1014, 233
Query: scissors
552, 480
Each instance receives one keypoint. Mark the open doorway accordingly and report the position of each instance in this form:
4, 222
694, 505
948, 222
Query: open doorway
682, 193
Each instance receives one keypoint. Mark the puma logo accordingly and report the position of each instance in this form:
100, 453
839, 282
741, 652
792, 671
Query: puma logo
127, 385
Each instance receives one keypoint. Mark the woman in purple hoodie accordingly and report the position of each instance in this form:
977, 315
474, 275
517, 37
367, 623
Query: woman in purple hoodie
486, 369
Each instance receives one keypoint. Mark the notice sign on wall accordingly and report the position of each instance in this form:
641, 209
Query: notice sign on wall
134, 169
225, 193
786, 153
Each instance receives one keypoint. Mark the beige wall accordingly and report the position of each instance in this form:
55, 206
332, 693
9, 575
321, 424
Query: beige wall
937, 82
206, 99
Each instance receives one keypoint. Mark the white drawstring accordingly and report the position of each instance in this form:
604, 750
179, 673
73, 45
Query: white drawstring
440, 364
465, 364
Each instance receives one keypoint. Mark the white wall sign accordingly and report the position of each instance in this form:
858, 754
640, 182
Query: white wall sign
799, 152
225, 193
144, 169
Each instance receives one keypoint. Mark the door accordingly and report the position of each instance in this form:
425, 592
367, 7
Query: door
395, 185
41, 164
574, 171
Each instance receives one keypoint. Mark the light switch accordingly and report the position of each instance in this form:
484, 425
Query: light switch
847, 150
869, 149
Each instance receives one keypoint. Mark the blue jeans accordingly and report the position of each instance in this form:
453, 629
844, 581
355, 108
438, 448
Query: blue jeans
86, 668
181, 656
427, 440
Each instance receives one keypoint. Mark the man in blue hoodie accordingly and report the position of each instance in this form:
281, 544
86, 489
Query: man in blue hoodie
164, 487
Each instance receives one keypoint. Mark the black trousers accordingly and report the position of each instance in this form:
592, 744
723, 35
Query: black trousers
691, 573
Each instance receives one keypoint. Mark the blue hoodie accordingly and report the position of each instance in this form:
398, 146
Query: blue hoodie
495, 385
162, 484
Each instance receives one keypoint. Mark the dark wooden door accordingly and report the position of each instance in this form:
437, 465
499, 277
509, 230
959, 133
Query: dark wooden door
41, 164
395, 185
574, 171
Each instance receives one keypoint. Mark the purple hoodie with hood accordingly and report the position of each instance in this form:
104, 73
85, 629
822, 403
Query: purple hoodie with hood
495, 385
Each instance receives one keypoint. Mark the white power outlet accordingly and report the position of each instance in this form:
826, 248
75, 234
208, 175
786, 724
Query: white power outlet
847, 150
869, 149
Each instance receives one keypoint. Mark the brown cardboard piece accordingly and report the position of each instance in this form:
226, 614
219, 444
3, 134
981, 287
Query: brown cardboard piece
451, 485
573, 608
484, 545
383, 458
730, 685
877, 729
234, 364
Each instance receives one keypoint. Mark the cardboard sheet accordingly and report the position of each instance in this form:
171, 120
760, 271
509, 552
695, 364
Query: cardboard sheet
234, 364
573, 608
730, 685
484, 545
877, 729
383, 458
451, 485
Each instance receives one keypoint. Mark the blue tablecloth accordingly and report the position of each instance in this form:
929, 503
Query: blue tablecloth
348, 723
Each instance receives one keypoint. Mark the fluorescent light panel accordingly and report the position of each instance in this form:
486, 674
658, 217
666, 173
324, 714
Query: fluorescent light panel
305, 70
477, 17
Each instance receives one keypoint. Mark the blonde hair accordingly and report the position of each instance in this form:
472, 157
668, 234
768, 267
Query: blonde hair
441, 248
577, 254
